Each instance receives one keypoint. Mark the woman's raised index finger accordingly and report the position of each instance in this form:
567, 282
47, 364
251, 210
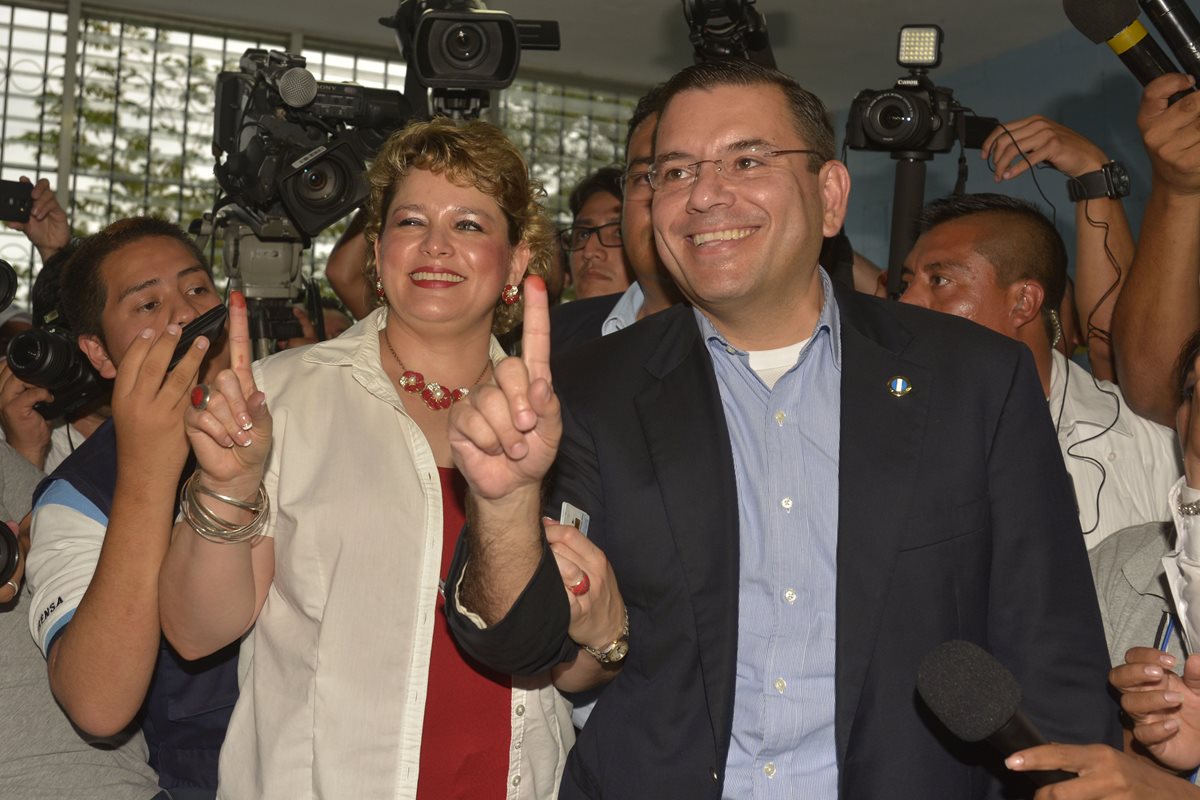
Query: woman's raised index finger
535, 332
241, 353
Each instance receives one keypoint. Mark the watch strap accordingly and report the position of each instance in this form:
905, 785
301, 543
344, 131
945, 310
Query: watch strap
605, 654
1108, 181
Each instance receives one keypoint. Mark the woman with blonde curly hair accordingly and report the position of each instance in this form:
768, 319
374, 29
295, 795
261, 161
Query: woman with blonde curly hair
325, 540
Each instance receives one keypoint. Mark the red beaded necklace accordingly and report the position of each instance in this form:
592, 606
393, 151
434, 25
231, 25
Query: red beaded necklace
436, 396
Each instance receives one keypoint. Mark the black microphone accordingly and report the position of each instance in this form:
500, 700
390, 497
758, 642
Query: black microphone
979, 700
1179, 28
1116, 23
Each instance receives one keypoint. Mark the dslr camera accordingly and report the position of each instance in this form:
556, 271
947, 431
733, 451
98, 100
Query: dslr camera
914, 116
47, 355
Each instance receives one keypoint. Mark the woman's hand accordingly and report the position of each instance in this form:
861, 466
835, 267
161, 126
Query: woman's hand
231, 433
597, 608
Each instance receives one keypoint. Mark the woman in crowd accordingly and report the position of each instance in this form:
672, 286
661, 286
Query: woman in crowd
325, 526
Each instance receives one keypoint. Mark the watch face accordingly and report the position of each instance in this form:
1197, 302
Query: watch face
618, 652
1120, 179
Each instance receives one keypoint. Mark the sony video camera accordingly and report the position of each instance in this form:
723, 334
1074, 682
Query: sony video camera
294, 145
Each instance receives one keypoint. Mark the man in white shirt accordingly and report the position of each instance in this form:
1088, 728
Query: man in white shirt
998, 261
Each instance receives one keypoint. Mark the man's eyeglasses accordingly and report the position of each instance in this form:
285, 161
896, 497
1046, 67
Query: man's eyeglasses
675, 175
576, 237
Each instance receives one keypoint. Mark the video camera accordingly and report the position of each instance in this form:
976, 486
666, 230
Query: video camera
913, 121
723, 29
294, 145
460, 50
291, 155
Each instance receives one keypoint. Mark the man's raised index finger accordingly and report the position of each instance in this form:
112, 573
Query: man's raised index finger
535, 332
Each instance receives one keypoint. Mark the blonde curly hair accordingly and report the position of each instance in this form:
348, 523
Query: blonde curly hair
470, 154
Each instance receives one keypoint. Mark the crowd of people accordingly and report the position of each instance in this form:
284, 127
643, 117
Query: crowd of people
688, 535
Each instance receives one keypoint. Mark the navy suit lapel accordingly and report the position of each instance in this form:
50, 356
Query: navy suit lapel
881, 439
688, 442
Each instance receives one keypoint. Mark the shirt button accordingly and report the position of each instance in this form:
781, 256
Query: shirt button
780, 685
786, 503
780, 417
790, 596
516, 781
769, 769
729, 349
520, 710
1112, 456
713, 772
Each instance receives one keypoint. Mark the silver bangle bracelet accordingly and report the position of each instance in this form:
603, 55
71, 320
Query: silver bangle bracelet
218, 529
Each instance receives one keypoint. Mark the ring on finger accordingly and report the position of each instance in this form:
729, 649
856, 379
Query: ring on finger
201, 394
16, 589
581, 587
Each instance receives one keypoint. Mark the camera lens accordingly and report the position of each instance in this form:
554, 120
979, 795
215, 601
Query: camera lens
465, 45
892, 117
897, 119
9, 554
321, 183
8, 284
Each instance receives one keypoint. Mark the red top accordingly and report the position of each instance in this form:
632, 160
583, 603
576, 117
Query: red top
468, 728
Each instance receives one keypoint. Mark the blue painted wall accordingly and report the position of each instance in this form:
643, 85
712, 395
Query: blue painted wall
1065, 78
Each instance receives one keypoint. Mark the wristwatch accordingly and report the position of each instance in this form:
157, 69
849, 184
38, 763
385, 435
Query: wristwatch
615, 651
1111, 181
1191, 509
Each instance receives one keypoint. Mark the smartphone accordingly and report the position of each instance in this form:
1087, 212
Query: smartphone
16, 201
210, 324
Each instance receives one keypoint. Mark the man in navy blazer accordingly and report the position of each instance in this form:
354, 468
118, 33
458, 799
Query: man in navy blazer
800, 492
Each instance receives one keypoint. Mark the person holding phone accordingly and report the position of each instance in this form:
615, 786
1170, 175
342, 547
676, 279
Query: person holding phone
326, 541
101, 522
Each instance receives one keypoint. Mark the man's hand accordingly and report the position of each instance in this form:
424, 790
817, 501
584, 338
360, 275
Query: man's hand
1040, 140
47, 227
1104, 774
1165, 708
1172, 133
24, 428
505, 437
148, 403
232, 435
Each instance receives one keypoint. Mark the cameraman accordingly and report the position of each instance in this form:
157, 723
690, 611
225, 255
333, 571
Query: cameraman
45, 445
101, 523
44, 442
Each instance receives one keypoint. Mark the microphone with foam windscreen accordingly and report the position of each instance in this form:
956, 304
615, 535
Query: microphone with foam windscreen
979, 700
1179, 28
1116, 23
